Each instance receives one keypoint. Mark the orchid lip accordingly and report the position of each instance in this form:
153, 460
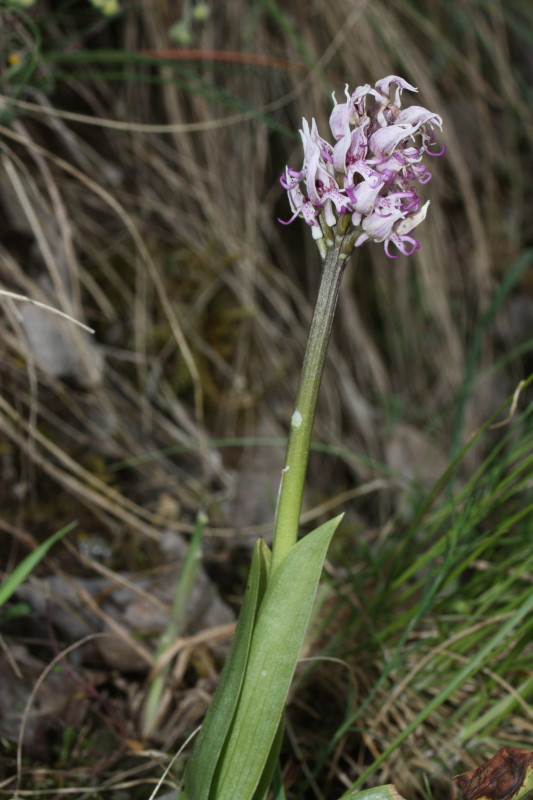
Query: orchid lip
291, 173
401, 247
288, 222
435, 155
390, 255
286, 185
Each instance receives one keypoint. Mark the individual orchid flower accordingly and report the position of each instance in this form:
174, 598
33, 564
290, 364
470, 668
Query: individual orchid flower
382, 89
300, 205
386, 141
349, 113
363, 196
393, 228
370, 172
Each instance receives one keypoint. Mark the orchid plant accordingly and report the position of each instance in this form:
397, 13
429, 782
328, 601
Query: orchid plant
364, 187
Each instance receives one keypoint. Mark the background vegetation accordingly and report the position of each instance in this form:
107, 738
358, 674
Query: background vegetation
141, 153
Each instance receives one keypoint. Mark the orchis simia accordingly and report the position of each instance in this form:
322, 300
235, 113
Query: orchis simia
372, 171
363, 187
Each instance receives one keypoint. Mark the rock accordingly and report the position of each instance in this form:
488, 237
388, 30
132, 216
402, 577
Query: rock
135, 608
52, 705
59, 349
413, 455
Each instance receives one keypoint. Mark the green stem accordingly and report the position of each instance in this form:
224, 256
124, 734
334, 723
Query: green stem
297, 454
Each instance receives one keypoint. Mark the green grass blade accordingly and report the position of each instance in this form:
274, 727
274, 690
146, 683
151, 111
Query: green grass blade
473, 355
459, 678
22, 570
497, 712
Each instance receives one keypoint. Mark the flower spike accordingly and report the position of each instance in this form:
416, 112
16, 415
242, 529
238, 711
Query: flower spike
372, 171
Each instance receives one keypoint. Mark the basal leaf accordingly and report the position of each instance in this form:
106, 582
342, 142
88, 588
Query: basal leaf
268, 771
201, 768
277, 639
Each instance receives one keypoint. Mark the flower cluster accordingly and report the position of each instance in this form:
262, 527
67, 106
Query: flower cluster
373, 170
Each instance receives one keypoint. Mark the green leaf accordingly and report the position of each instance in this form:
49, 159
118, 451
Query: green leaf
268, 770
386, 792
201, 768
22, 570
277, 639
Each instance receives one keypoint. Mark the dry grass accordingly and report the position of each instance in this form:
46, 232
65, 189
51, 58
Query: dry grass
140, 195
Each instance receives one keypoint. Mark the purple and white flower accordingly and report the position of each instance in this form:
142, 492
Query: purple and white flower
373, 170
